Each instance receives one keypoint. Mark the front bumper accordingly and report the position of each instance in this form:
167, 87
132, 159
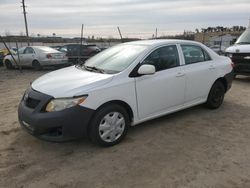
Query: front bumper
242, 69
68, 124
241, 63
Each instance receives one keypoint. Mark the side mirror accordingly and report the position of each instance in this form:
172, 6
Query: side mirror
146, 69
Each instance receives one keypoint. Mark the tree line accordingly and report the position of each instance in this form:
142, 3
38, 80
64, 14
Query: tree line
221, 29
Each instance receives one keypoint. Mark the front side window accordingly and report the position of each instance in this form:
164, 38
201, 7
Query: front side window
29, 50
21, 50
194, 54
163, 58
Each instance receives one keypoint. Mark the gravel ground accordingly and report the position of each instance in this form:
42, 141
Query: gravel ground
196, 147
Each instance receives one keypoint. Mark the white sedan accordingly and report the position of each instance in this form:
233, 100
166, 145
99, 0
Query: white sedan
123, 86
36, 57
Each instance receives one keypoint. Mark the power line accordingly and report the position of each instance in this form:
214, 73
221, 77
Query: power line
25, 20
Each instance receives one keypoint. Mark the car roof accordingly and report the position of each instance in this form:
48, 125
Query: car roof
157, 42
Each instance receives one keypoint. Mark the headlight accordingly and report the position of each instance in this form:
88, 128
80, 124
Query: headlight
64, 103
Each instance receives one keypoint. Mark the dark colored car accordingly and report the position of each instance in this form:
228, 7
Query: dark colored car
240, 54
77, 51
1, 58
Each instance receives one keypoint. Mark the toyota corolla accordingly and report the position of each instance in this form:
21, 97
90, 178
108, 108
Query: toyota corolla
123, 86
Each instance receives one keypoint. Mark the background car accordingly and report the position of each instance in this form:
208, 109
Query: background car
240, 54
1, 58
36, 57
56, 47
78, 51
218, 49
4, 52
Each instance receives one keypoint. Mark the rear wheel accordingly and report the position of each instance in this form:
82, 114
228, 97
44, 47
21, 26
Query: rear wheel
216, 95
36, 65
109, 125
8, 64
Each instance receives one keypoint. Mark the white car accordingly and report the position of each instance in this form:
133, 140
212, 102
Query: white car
123, 86
36, 57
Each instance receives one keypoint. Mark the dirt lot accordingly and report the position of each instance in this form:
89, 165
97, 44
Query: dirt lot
193, 148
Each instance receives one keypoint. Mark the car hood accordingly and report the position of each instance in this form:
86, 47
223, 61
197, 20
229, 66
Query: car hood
239, 49
69, 82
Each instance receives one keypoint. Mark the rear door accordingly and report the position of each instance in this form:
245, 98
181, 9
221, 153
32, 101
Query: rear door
200, 73
164, 90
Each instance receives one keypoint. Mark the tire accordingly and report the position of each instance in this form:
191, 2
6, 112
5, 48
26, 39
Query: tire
103, 131
36, 65
8, 64
216, 95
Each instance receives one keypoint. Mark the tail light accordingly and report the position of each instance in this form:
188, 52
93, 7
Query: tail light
233, 65
49, 56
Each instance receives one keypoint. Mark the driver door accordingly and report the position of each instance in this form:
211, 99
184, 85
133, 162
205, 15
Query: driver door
165, 90
27, 57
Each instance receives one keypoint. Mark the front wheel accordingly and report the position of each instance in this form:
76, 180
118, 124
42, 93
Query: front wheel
109, 125
36, 65
8, 64
216, 95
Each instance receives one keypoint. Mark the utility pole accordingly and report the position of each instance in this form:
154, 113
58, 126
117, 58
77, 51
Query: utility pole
25, 20
120, 34
82, 34
80, 50
156, 32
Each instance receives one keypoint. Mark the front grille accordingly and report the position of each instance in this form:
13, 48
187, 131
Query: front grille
32, 103
240, 58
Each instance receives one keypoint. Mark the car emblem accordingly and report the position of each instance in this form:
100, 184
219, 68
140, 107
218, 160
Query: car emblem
237, 51
26, 96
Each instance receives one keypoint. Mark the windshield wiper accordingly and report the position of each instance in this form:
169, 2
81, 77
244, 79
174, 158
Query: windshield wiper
243, 43
93, 69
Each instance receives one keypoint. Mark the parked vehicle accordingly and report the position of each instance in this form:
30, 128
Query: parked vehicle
4, 52
218, 49
1, 58
56, 47
240, 54
36, 57
77, 51
124, 85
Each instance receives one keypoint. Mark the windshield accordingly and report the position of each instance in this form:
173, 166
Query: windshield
116, 59
244, 38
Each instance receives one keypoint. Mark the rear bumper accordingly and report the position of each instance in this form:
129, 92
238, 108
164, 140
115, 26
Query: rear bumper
58, 62
229, 78
59, 126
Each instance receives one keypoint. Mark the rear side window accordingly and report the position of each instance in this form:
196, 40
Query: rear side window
163, 58
194, 54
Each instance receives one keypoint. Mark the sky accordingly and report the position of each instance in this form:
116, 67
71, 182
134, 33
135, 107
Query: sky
136, 18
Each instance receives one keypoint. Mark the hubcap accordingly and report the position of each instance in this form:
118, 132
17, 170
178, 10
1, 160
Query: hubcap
112, 127
218, 95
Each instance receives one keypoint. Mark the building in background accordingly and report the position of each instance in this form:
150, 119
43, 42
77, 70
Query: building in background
223, 40
212, 37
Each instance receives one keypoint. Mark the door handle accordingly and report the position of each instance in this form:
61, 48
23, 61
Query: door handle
180, 74
211, 67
